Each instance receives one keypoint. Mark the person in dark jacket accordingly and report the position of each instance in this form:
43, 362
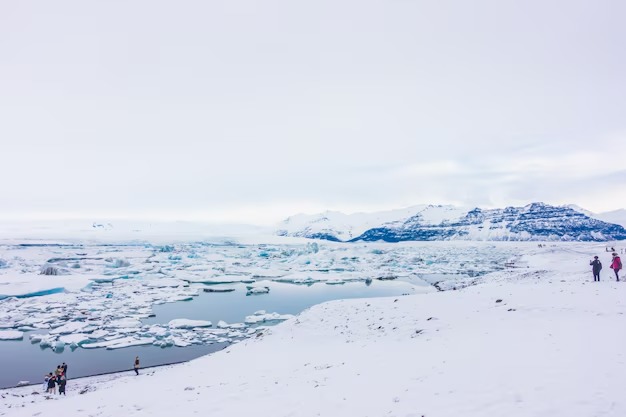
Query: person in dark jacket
62, 382
596, 266
616, 265
52, 388
64, 367
136, 365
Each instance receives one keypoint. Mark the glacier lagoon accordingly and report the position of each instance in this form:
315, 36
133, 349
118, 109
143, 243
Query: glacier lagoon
122, 300
29, 362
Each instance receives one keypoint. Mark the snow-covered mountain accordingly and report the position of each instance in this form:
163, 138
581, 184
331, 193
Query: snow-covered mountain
336, 226
615, 216
536, 221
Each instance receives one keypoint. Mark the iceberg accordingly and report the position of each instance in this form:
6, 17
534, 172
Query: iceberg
71, 327
124, 323
11, 335
78, 339
188, 324
257, 290
262, 318
120, 342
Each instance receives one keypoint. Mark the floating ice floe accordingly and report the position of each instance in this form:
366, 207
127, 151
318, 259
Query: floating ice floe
262, 318
188, 324
49, 269
124, 323
77, 338
11, 335
158, 331
165, 283
71, 327
223, 325
117, 263
180, 342
120, 342
257, 290
335, 282
301, 281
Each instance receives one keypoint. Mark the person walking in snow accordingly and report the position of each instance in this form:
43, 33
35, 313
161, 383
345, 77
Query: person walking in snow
596, 266
64, 368
136, 366
616, 265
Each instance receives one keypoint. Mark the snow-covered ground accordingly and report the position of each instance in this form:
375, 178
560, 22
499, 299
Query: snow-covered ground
536, 339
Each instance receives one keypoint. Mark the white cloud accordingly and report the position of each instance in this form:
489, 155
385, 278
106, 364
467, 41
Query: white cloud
149, 109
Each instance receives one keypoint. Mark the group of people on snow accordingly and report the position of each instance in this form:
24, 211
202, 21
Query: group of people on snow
596, 266
58, 377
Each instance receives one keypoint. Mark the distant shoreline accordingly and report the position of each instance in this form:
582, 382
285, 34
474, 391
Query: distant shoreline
130, 370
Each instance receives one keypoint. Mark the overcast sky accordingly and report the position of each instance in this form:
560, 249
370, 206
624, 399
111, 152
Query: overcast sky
251, 111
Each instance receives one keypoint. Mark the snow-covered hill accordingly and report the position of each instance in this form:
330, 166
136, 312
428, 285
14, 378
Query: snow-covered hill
336, 226
615, 216
536, 221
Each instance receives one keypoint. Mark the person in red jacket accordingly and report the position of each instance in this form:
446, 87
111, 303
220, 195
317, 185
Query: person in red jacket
616, 265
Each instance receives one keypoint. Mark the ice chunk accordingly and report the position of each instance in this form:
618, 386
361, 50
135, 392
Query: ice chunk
158, 331
180, 342
98, 334
163, 343
127, 343
164, 283
46, 341
261, 318
188, 324
68, 328
78, 338
11, 335
49, 269
36, 338
223, 325
120, 342
124, 323
257, 290
117, 263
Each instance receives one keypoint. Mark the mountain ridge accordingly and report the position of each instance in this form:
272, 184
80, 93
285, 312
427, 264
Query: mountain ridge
533, 222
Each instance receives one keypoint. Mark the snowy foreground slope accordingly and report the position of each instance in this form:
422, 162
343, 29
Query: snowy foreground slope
536, 340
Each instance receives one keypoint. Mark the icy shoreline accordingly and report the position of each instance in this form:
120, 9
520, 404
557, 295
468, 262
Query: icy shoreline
521, 343
96, 295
